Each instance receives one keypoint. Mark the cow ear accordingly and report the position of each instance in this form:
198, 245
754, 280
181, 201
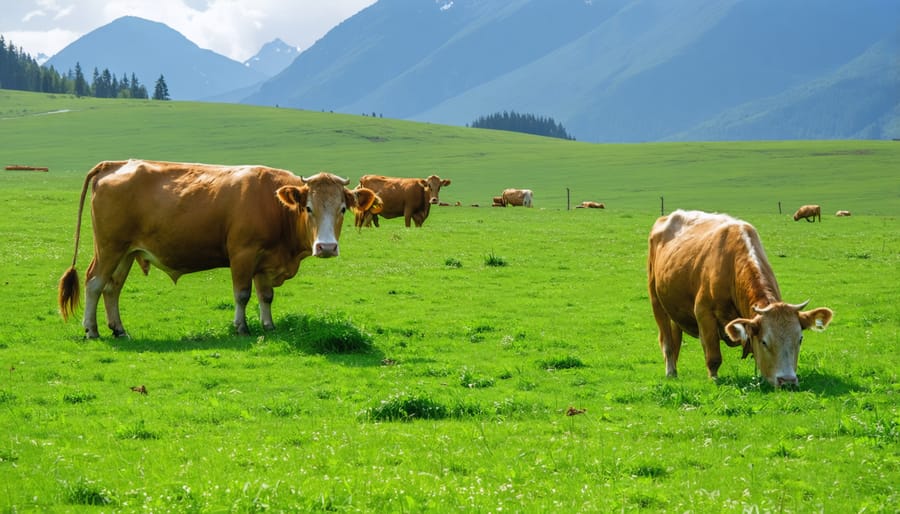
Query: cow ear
445, 182
816, 319
292, 196
361, 197
423, 183
741, 331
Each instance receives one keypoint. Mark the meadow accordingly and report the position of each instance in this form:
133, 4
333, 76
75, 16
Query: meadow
492, 360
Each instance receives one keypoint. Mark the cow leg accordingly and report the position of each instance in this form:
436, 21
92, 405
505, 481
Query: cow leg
111, 293
241, 298
101, 272
709, 338
669, 342
265, 293
93, 287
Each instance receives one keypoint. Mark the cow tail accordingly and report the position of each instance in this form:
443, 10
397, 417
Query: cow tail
69, 292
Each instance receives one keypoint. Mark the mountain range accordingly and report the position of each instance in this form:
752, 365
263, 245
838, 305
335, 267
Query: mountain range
608, 71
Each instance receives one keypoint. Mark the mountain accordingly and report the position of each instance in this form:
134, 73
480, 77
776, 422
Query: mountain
273, 57
150, 49
616, 70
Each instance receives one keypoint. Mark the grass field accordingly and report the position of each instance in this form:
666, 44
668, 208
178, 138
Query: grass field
432, 369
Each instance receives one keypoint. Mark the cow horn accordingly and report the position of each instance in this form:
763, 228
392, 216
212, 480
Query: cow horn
763, 310
799, 306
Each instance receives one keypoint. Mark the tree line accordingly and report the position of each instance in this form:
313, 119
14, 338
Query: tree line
20, 71
527, 123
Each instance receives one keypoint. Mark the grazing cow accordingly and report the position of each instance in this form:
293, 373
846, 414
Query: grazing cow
808, 211
708, 276
365, 218
842, 214
258, 221
591, 205
411, 198
521, 197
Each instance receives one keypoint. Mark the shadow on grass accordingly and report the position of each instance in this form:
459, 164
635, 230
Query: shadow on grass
817, 382
332, 336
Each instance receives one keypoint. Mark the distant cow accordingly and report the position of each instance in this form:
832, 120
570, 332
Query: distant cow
808, 211
591, 205
842, 214
411, 198
521, 197
365, 217
497, 201
708, 276
258, 221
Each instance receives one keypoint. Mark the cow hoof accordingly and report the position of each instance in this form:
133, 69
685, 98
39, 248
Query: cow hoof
242, 330
119, 332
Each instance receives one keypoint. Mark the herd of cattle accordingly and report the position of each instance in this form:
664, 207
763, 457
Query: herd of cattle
708, 274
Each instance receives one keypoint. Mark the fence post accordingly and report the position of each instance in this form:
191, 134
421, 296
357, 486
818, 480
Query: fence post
662, 206
568, 200
779, 206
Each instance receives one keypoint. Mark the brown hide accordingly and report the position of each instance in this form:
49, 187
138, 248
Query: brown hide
517, 197
182, 218
842, 214
808, 211
591, 205
411, 198
708, 276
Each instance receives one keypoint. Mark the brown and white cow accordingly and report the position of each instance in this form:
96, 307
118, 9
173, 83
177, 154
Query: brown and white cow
591, 205
808, 211
708, 276
517, 197
258, 221
842, 214
411, 198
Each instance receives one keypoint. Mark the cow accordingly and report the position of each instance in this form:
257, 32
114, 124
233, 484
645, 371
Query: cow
591, 205
411, 198
808, 211
521, 197
365, 218
842, 214
708, 276
497, 201
260, 222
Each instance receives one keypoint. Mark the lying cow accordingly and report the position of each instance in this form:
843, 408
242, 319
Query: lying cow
517, 197
497, 201
808, 211
708, 276
591, 205
411, 198
842, 214
258, 221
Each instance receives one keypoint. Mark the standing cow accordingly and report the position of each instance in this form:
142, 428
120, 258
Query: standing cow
809, 211
258, 221
520, 197
708, 276
411, 198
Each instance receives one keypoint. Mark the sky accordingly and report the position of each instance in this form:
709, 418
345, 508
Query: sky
233, 28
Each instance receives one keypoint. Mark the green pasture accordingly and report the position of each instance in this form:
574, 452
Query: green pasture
434, 369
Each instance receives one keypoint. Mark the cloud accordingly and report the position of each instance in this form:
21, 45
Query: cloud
235, 28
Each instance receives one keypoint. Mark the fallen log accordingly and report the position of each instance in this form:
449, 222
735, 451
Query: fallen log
19, 167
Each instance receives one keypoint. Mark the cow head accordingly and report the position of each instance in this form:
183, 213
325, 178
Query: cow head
432, 187
774, 335
320, 204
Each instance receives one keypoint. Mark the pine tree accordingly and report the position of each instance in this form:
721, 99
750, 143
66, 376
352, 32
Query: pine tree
161, 92
81, 85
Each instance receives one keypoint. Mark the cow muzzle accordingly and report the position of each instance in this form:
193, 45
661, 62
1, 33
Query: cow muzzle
786, 379
321, 249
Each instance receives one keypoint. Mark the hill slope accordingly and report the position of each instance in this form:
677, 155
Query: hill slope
619, 70
149, 49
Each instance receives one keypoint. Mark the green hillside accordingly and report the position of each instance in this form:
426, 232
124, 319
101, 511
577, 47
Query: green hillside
69, 135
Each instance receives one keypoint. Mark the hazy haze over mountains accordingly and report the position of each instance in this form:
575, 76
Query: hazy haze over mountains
613, 70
